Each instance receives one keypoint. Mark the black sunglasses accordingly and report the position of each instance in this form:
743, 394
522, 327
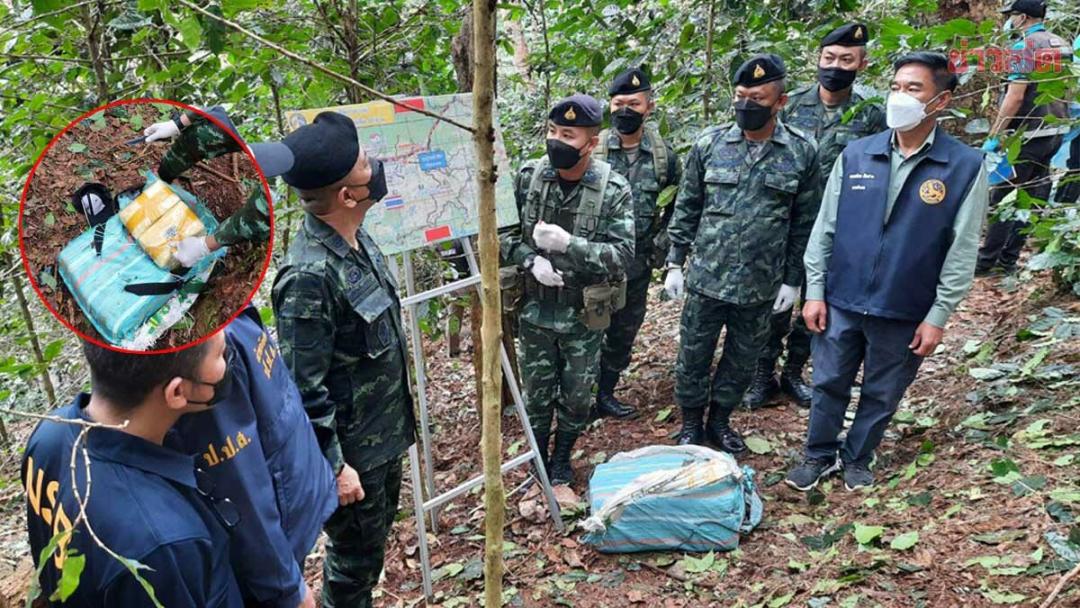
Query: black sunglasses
226, 511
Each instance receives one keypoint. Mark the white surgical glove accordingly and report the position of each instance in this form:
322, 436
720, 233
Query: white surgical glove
192, 249
673, 284
785, 299
551, 237
546, 273
165, 129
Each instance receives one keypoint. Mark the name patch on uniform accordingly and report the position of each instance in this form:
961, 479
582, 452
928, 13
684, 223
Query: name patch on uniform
861, 176
932, 191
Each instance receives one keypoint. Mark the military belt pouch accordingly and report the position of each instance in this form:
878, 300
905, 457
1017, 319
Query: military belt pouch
511, 286
600, 301
567, 296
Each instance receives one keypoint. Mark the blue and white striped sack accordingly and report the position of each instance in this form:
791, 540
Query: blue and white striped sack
671, 498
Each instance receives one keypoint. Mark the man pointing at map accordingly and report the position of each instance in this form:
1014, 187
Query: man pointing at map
339, 327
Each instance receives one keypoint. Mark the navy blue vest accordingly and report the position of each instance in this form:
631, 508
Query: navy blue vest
891, 269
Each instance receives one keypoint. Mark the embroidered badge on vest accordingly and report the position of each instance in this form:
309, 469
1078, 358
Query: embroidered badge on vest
932, 191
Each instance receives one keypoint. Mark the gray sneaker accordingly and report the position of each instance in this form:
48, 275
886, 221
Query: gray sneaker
857, 476
807, 475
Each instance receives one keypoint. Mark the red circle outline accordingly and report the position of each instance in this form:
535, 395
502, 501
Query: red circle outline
26, 191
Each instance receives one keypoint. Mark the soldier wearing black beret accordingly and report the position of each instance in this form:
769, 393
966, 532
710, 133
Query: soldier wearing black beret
339, 326
573, 245
746, 204
635, 150
817, 109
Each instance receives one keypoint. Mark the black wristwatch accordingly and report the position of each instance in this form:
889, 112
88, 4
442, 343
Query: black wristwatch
176, 119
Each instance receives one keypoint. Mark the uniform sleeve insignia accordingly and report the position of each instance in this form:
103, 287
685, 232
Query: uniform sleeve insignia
932, 191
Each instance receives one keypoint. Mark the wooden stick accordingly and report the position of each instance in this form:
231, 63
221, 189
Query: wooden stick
217, 173
323, 69
1060, 587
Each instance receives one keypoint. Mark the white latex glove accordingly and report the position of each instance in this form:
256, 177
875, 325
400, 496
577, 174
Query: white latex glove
785, 299
551, 237
673, 284
192, 249
165, 129
546, 273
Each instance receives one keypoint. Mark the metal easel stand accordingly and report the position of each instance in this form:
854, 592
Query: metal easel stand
424, 474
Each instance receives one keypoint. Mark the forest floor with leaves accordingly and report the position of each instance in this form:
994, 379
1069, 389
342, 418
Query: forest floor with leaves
94, 151
978, 485
977, 497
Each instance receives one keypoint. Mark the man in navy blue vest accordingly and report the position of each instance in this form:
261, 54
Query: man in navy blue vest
891, 255
146, 502
257, 447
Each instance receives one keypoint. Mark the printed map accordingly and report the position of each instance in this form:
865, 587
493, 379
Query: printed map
430, 170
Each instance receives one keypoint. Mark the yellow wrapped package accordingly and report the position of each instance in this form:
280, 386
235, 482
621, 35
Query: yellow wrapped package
148, 207
159, 241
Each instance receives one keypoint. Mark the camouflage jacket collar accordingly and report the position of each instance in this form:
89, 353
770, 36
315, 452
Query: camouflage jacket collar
590, 179
812, 97
614, 143
325, 234
780, 134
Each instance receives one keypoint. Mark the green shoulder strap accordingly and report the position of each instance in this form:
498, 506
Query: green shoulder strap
659, 155
537, 192
587, 218
602, 148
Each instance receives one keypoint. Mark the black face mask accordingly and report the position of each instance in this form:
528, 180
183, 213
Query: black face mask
561, 154
222, 387
377, 184
751, 115
627, 121
835, 79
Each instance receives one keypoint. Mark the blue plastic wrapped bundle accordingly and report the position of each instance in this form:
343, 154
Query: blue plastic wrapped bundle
671, 498
98, 282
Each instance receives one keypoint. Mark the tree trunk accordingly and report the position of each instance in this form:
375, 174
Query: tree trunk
95, 45
491, 439
707, 93
35, 344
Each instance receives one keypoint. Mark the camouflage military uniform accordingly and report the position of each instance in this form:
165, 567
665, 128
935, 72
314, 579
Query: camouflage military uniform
203, 140
805, 111
744, 224
339, 326
559, 355
645, 186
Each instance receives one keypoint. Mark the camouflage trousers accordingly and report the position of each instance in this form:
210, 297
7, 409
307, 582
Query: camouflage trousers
558, 370
699, 332
625, 323
357, 539
797, 334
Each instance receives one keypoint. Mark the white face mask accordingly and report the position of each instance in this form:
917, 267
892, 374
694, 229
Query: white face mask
904, 112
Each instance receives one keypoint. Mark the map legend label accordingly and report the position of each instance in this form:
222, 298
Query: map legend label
432, 161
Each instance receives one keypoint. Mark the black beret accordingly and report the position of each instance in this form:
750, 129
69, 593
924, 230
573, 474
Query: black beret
851, 34
1031, 8
323, 151
577, 111
760, 69
633, 80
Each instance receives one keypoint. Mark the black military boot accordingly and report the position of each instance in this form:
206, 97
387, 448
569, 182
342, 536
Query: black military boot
792, 384
719, 433
542, 442
693, 427
560, 472
763, 387
606, 404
